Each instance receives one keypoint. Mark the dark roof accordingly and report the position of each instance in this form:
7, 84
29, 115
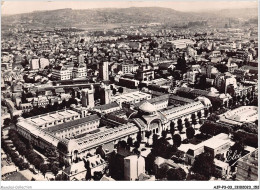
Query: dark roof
200, 92
183, 89
73, 123
178, 98
190, 152
107, 106
58, 68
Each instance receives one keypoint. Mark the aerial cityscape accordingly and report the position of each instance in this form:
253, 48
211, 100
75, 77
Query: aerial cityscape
129, 94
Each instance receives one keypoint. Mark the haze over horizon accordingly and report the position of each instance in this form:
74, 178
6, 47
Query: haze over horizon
18, 7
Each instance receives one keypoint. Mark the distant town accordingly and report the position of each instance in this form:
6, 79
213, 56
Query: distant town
136, 102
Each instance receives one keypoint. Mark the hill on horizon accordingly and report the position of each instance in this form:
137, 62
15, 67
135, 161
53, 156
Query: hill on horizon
132, 15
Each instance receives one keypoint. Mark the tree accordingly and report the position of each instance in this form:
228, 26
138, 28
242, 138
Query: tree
111, 87
249, 127
176, 174
78, 94
194, 122
149, 163
181, 65
72, 101
37, 162
179, 154
221, 68
51, 153
190, 132
17, 160
177, 140
248, 139
210, 109
213, 128
161, 172
114, 91
29, 147
180, 127
196, 177
234, 100
136, 144
87, 166
24, 166
122, 144
7, 122
31, 157
116, 165
213, 117
147, 135
15, 119
202, 82
207, 168
22, 149
239, 146
43, 168
187, 124
172, 128
193, 119
54, 169
12, 133
139, 137
121, 90
59, 178
155, 139
199, 114
130, 141
101, 152
141, 85
164, 134
97, 175
153, 44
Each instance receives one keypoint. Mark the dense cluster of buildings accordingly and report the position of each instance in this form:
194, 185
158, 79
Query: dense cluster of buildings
82, 94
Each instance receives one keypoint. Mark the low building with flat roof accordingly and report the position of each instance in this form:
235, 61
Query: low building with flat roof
131, 97
218, 144
53, 118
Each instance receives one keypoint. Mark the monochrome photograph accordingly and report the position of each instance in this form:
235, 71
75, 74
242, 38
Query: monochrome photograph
130, 91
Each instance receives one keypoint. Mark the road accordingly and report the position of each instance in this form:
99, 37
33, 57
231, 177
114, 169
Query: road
29, 175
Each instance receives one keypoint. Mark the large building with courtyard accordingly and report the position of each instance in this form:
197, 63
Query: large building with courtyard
75, 135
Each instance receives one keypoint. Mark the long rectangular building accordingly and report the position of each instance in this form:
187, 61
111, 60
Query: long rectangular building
131, 97
53, 118
183, 111
75, 127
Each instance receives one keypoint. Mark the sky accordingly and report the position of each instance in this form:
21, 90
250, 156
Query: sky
16, 7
